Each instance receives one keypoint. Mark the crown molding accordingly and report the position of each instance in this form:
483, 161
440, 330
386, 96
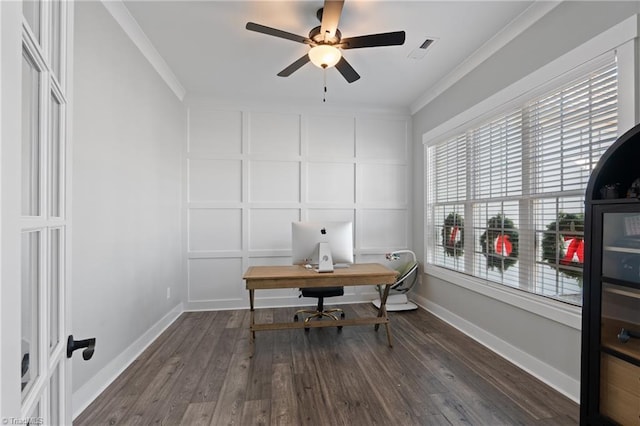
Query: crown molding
516, 27
123, 17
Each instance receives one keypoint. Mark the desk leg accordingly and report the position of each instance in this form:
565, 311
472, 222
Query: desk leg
382, 312
252, 333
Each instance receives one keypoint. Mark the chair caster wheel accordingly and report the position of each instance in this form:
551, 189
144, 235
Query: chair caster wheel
339, 328
306, 329
295, 317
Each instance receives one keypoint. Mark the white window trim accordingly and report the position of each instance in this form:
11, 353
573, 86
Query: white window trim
618, 40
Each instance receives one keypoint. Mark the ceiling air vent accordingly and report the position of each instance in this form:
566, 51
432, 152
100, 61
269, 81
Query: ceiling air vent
419, 52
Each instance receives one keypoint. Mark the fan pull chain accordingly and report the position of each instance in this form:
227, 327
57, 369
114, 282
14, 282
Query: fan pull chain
324, 76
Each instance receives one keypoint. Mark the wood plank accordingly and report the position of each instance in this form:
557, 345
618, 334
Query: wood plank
238, 319
232, 395
198, 414
260, 369
282, 340
256, 412
155, 392
214, 375
284, 403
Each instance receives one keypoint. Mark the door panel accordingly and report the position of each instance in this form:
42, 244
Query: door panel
35, 44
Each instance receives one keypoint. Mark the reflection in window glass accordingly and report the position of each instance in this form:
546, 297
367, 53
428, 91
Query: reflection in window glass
30, 137
36, 415
32, 12
54, 398
449, 232
497, 245
30, 263
54, 42
54, 158
559, 224
54, 288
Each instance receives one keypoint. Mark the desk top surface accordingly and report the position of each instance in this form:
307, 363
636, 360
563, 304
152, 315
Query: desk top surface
365, 273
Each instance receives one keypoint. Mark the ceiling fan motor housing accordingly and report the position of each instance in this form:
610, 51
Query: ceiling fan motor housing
317, 37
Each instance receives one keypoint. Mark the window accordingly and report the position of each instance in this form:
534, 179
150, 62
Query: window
505, 196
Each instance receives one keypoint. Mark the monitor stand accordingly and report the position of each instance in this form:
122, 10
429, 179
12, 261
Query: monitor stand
325, 261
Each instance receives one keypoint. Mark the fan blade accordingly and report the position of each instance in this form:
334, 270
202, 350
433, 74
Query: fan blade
373, 40
294, 66
347, 70
330, 17
252, 26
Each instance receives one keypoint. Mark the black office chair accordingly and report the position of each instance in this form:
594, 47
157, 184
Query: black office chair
320, 312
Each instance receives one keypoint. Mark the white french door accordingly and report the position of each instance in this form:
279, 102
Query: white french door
35, 228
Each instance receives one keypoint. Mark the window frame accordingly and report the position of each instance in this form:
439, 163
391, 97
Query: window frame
618, 41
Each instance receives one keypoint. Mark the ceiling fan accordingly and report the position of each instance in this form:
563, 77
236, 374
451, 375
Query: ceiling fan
326, 42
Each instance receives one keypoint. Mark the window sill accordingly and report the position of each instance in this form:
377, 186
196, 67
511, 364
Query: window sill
563, 313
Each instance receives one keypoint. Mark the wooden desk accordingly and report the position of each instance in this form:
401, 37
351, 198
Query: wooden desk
296, 276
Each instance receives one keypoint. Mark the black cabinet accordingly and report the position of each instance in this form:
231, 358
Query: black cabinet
610, 370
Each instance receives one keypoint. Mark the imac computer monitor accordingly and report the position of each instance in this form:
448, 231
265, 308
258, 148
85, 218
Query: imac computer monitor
311, 240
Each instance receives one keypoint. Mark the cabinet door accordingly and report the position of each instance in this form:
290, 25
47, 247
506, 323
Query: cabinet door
620, 390
619, 285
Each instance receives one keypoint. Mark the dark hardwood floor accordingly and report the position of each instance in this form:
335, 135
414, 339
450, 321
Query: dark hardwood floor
198, 372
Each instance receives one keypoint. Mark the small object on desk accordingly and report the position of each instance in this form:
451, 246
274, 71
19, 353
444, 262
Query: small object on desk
308, 266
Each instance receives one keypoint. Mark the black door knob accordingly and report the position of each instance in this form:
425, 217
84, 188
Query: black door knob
88, 344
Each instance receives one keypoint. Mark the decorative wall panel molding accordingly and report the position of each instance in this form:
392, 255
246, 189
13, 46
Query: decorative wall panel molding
249, 174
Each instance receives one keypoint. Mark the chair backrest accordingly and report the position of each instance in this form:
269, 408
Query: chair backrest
405, 271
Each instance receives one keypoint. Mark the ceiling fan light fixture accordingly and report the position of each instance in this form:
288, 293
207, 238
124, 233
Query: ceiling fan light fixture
324, 55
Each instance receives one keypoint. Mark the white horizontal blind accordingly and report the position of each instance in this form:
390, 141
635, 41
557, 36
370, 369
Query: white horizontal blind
568, 131
448, 168
497, 157
520, 178
497, 177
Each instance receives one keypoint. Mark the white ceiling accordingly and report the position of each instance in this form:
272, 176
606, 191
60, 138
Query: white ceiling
207, 47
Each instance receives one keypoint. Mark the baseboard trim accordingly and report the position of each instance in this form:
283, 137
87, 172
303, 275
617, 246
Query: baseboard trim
553, 377
98, 383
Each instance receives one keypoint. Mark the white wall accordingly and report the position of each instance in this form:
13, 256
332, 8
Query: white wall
252, 170
129, 129
548, 348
